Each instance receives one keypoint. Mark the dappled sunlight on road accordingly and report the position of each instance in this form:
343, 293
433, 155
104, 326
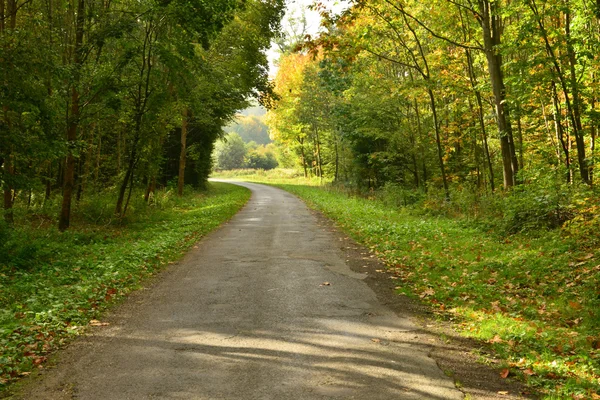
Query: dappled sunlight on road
258, 312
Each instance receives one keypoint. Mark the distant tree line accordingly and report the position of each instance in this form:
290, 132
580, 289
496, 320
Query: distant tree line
233, 153
250, 128
108, 96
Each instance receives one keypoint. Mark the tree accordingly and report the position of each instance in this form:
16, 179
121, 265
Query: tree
230, 153
93, 93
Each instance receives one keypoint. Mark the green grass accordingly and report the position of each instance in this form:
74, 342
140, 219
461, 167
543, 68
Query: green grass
534, 298
53, 284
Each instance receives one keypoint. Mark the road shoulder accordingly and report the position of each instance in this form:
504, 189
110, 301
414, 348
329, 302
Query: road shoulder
457, 356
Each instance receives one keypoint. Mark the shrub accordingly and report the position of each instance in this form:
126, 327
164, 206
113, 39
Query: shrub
395, 195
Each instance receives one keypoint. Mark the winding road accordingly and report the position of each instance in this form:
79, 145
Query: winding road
263, 308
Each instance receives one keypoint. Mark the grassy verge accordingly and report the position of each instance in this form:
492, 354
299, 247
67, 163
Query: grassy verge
54, 284
534, 299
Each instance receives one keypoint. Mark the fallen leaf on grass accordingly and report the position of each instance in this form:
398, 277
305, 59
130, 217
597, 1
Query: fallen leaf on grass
496, 339
551, 375
428, 292
594, 342
577, 264
496, 306
504, 374
528, 371
95, 322
39, 360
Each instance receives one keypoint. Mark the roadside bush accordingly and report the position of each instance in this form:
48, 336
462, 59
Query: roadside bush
395, 195
256, 160
584, 227
97, 208
537, 207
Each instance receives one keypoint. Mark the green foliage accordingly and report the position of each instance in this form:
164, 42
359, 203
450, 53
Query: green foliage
250, 129
260, 175
109, 85
257, 160
53, 284
230, 152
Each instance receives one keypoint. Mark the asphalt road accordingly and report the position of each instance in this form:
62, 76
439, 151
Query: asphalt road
263, 308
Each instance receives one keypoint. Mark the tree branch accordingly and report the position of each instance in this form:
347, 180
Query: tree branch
432, 32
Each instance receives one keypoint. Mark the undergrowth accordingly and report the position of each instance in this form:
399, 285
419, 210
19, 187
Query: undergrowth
53, 284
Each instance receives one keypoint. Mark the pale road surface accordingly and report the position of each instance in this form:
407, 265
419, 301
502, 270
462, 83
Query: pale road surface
246, 315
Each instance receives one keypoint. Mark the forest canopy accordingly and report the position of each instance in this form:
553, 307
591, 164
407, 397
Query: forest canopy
108, 96
443, 95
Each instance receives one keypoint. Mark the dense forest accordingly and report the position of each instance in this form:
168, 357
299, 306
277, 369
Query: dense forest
446, 95
114, 96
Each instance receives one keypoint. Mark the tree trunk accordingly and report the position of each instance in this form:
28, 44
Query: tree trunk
413, 157
573, 108
303, 156
48, 182
130, 190
318, 152
578, 128
97, 167
593, 133
438, 142
73, 123
520, 138
490, 24
486, 149
2, 15
8, 161
150, 189
8, 195
558, 128
119, 150
337, 160
69, 172
184, 132
128, 174
12, 12
79, 177
141, 103
421, 147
